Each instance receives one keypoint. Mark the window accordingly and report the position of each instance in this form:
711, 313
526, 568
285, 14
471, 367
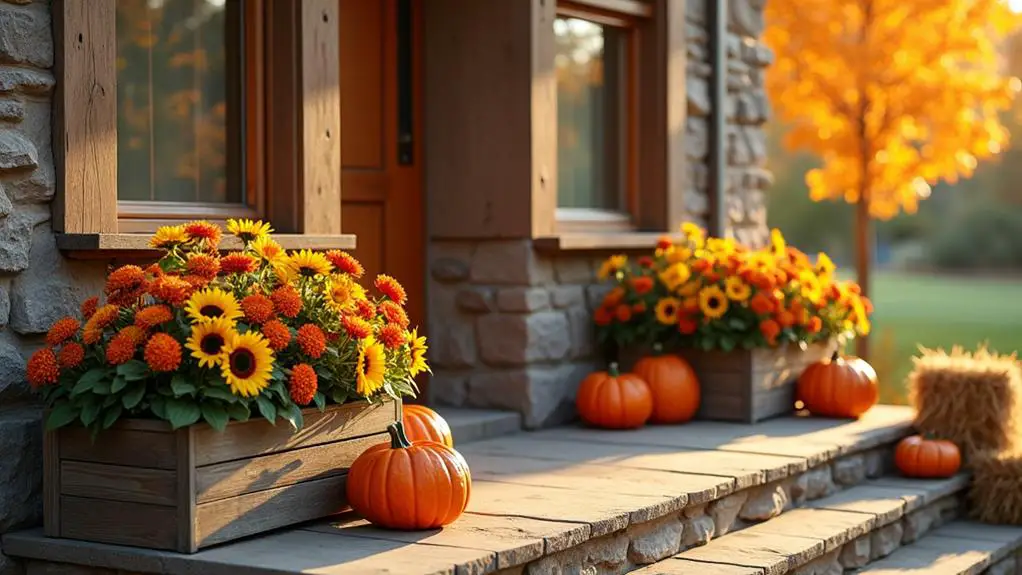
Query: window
596, 67
187, 100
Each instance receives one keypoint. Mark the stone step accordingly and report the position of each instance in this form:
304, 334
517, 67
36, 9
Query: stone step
844, 531
548, 501
468, 425
958, 548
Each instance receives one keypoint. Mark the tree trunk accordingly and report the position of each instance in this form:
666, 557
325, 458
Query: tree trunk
863, 260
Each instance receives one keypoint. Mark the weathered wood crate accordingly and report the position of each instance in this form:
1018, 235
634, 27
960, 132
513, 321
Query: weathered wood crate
145, 485
746, 385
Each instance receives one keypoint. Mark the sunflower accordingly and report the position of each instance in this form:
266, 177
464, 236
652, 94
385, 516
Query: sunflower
308, 263
667, 310
417, 348
247, 363
811, 288
267, 248
713, 302
208, 339
212, 303
371, 368
169, 236
342, 292
248, 230
612, 266
736, 289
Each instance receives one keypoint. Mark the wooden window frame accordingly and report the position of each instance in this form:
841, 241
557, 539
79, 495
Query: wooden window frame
300, 188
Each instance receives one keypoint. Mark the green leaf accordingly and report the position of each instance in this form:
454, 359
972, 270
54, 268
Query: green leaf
61, 415
281, 391
111, 416
103, 387
267, 409
737, 324
706, 343
338, 395
181, 386
215, 415
90, 411
133, 370
120, 382
134, 395
238, 411
83, 386
220, 392
159, 406
93, 375
293, 414
727, 343
320, 400
182, 412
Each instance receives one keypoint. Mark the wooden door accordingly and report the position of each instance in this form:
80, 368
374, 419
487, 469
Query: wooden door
380, 155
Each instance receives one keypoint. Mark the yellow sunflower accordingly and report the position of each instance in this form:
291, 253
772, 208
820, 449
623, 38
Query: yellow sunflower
713, 301
371, 367
667, 310
810, 286
612, 265
208, 339
342, 292
736, 289
169, 236
248, 230
247, 363
417, 349
308, 263
267, 248
211, 303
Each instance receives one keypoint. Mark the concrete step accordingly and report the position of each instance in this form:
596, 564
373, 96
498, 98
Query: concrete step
468, 425
561, 500
958, 548
841, 532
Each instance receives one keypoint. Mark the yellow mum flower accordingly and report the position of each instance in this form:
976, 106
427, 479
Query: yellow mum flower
342, 292
675, 275
810, 286
612, 266
713, 302
679, 255
667, 310
736, 289
268, 249
780, 248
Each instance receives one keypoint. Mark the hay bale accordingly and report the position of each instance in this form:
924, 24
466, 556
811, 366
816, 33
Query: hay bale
995, 495
971, 398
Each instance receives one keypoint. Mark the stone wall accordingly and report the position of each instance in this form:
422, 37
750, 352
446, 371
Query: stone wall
37, 284
511, 328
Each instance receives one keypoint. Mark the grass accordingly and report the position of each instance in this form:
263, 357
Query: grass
939, 311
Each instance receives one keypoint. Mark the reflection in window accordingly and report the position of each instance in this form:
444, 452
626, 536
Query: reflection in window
178, 98
589, 64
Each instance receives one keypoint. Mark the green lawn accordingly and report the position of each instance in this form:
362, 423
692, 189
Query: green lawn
939, 311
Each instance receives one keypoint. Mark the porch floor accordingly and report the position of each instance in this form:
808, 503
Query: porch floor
541, 493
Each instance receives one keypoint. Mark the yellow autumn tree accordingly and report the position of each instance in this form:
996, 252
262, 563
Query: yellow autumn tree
892, 96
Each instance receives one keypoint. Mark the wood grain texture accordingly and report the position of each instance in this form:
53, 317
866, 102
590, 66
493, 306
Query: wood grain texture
118, 482
321, 116
185, 496
125, 447
118, 522
85, 131
235, 517
51, 483
243, 476
106, 245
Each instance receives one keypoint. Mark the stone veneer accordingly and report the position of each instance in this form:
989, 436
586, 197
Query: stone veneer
37, 284
510, 328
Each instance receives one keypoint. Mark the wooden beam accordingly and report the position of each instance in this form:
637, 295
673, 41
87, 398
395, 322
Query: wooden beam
86, 116
321, 117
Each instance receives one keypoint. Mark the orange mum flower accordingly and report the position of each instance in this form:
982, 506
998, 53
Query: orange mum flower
761, 304
152, 316
365, 309
642, 284
71, 355
303, 384
91, 336
257, 308
815, 325
392, 336
42, 368
785, 318
63, 330
356, 327
121, 348
687, 325
196, 282
623, 313
171, 289
603, 315
770, 330
134, 332
287, 301
645, 261
163, 353
394, 313
277, 333
206, 231
103, 317
391, 288
237, 263
125, 285
203, 265
346, 263
89, 307
312, 340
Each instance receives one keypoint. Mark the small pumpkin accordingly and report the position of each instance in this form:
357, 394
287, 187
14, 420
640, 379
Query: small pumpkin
422, 423
409, 486
674, 386
614, 400
837, 387
927, 457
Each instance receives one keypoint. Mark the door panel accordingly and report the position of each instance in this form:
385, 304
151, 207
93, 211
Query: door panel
362, 72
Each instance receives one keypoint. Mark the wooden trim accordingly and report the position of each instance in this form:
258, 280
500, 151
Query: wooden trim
105, 246
185, 440
624, 8
600, 241
573, 220
86, 116
51, 482
544, 117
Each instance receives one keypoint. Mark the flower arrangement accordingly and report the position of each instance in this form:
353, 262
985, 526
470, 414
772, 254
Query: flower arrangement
202, 336
712, 293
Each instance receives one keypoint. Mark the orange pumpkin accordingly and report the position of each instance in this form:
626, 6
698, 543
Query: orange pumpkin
674, 385
614, 400
838, 387
409, 486
422, 423
927, 458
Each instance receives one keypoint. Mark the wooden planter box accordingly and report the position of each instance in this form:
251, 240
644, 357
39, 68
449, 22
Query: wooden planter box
746, 385
145, 485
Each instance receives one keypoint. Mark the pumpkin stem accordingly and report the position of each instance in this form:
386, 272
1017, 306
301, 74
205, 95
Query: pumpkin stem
398, 440
836, 355
658, 348
613, 370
